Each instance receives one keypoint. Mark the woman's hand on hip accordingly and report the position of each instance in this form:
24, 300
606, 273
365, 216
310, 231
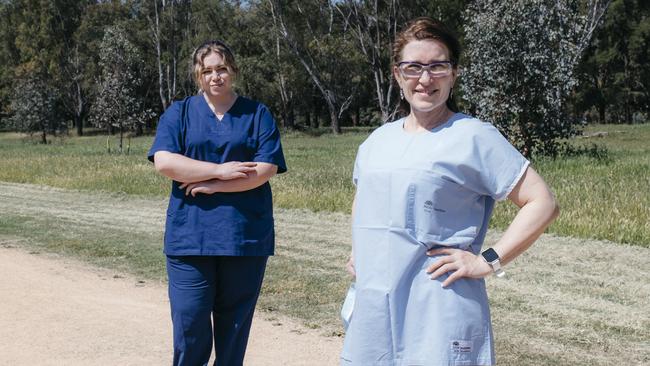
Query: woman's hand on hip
205, 187
460, 262
235, 169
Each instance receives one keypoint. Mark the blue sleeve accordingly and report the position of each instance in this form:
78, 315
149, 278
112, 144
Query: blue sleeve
501, 166
359, 160
169, 135
356, 170
269, 148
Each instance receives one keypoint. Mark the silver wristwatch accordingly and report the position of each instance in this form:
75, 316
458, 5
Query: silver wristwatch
492, 258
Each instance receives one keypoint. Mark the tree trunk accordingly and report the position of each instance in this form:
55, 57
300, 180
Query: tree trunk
374, 41
78, 121
308, 63
121, 137
315, 122
334, 120
601, 111
355, 115
80, 110
156, 35
291, 122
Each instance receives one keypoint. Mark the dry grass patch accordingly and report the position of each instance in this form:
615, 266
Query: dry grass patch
564, 302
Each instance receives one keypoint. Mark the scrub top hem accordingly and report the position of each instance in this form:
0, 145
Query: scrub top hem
402, 362
222, 253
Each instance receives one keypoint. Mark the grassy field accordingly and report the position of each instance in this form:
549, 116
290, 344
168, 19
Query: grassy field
566, 301
563, 302
602, 198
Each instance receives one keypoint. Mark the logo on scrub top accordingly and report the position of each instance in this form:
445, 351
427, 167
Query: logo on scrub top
461, 346
428, 207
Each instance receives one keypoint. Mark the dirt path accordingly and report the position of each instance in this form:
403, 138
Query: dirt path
63, 312
566, 301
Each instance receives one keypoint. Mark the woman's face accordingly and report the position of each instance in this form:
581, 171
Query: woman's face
216, 81
426, 92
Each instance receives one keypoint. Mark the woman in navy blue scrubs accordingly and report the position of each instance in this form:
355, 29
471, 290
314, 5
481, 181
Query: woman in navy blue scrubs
220, 150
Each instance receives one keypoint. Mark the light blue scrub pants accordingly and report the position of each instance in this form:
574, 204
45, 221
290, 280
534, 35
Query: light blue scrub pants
213, 289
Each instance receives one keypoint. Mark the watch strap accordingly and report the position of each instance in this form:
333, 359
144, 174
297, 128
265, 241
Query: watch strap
496, 267
494, 261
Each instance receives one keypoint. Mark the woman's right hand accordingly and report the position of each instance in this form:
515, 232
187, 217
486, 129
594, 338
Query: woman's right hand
235, 169
349, 266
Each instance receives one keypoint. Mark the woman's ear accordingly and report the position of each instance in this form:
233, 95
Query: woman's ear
397, 76
455, 72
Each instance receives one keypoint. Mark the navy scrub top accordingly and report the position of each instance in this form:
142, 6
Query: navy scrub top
229, 224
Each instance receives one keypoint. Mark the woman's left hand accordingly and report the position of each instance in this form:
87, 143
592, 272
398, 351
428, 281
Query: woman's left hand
463, 264
205, 187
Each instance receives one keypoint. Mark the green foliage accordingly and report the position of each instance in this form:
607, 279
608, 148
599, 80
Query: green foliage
522, 55
34, 108
346, 46
117, 104
615, 72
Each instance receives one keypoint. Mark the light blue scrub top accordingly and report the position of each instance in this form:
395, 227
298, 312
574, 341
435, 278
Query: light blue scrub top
417, 191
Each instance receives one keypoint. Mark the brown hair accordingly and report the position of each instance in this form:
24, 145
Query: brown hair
421, 29
205, 49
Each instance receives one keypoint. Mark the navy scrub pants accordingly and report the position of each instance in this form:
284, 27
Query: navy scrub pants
207, 289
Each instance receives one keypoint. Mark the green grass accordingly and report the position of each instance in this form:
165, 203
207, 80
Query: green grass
606, 199
120, 249
565, 301
600, 198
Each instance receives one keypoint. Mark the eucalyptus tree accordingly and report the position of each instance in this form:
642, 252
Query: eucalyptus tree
615, 72
35, 50
70, 76
9, 58
34, 107
312, 32
640, 56
522, 59
118, 104
374, 25
166, 22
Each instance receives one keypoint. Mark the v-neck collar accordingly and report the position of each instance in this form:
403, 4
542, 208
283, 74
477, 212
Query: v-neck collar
208, 112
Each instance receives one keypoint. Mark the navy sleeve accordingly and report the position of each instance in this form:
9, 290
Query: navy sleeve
169, 135
269, 148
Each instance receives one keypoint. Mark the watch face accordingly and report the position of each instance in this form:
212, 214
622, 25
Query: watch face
490, 255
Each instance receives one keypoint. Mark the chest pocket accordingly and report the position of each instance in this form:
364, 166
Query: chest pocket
442, 212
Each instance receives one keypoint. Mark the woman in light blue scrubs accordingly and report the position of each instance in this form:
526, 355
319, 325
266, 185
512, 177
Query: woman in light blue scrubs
220, 150
426, 186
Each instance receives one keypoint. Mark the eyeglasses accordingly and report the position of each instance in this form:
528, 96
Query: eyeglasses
221, 71
414, 70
